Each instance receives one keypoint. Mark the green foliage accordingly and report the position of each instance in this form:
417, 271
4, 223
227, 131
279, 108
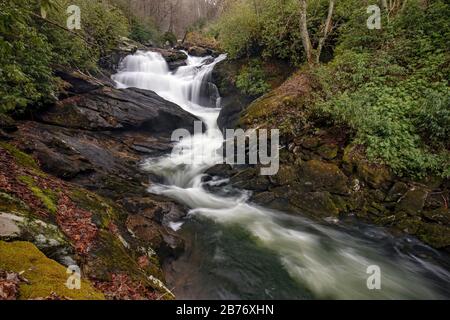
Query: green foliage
394, 93
144, 32
270, 28
25, 56
252, 80
169, 37
239, 30
30, 46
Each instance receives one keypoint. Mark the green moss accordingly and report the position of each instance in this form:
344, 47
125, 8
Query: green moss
48, 197
104, 211
9, 203
21, 158
45, 276
112, 257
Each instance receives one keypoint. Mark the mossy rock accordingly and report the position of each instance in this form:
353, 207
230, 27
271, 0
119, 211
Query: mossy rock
21, 158
45, 276
377, 176
7, 123
436, 235
324, 177
413, 201
328, 151
286, 176
47, 196
317, 204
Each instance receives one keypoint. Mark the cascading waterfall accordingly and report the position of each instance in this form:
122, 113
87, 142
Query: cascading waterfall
313, 260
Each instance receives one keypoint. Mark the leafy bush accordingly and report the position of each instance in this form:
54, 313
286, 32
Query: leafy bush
25, 56
252, 80
169, 37
30, 47
144, 32
239, 30
394, 93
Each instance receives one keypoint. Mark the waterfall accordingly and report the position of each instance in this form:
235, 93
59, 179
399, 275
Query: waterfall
325, 261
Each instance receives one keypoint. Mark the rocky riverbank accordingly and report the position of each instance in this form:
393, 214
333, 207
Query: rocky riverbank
71, 190
323, 174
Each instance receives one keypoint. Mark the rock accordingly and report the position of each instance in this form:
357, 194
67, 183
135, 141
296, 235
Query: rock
145, 229
112, 109
233, 101
311, 143
324, 176
7, 124
199, 51
413, 201
125, 47
250, 179
46, 236
441, 216
174, 58
376, 176
44, 276
328, 151
9, 228
317, 204
397, 191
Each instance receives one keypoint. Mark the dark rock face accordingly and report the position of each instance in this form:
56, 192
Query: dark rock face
200, 51
110, 109
97, 137
233, 101
174, 58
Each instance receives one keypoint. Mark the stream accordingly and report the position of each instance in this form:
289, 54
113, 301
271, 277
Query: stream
238, 250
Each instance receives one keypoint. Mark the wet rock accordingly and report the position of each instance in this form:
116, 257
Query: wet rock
441, 215
376, 176
413, 201
324, 176
174, 58
7, 124
233, 101
315, 203
145, 229
311, 143
46, 236
111, 109
328, 151
250, 179
199, 51
397, 191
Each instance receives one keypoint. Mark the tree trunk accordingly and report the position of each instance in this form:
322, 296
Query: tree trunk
306, 40
326, 30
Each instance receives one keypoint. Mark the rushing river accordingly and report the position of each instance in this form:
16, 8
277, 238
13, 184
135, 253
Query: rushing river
238, 250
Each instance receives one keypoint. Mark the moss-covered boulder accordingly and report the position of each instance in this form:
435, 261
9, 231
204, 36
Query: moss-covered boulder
44, 277
413, 201
324, 176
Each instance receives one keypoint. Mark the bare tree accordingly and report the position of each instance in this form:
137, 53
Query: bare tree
313, 55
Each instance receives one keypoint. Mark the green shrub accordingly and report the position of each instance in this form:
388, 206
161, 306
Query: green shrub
25, 56
394, 94
30, 47
252, 80
144, 32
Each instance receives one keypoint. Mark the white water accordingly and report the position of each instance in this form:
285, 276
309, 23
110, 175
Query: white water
328, 262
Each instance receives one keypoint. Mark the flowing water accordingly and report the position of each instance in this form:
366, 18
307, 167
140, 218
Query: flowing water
238, 250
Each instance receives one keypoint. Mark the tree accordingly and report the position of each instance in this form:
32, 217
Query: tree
313, 55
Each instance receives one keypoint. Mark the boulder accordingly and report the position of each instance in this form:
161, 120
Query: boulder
321, 176
199, 51
107, 109
413, 201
